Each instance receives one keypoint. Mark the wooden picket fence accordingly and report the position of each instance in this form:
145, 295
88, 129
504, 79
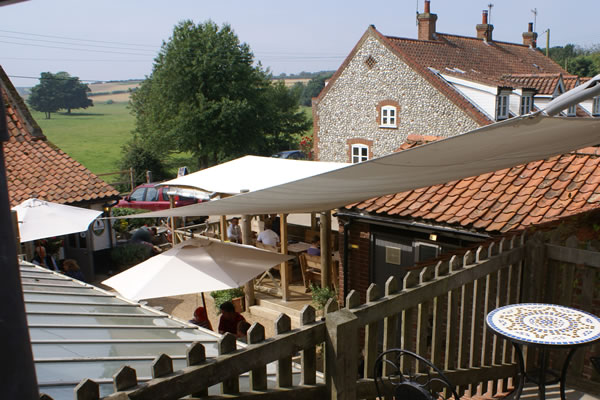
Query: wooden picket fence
438, 311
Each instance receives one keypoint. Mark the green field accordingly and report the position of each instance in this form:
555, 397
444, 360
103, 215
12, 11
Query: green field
93, 136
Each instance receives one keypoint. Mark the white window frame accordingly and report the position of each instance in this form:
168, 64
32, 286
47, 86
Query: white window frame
596, 106
572, 111
502, 105
359, 153
526, 103
388, 117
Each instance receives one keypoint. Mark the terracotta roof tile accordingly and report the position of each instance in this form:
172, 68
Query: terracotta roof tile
509, 199
35, 167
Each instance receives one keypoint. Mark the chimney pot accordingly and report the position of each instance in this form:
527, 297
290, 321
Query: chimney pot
426, 22
530, 37
484, 30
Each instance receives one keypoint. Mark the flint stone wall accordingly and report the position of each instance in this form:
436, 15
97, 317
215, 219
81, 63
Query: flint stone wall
348, 110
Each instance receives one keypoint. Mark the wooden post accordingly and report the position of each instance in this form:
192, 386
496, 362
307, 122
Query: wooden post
131, 179
173, 224
223, 227
325, 249
284, 269
17, 234
341, 364
247, 239
535, 263
283, 325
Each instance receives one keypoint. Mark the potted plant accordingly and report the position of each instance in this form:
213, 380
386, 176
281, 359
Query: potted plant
236, 296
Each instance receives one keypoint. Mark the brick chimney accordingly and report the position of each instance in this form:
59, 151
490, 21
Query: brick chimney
426, 22
484, 30
530, 37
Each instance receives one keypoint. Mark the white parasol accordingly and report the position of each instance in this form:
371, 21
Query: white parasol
39, 219
193, 266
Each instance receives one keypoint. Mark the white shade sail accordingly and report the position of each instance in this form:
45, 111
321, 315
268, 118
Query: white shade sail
193, 266
252, 173
39, 219
487, 149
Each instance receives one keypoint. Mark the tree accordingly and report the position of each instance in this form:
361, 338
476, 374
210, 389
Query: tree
139, 157
59, 91
206, 96
45, 97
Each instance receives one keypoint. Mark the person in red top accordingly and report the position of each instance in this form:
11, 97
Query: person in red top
229, 318
201, 318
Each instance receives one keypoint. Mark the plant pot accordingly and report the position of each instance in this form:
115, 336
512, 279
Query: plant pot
238, 304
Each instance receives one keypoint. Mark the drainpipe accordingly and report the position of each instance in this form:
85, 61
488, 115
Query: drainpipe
346, 255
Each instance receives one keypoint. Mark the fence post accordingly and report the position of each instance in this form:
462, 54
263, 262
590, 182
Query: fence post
341, 364
131, 180
534, 267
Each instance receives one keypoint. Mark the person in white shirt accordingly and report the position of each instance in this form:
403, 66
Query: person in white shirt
234, 232
268, 236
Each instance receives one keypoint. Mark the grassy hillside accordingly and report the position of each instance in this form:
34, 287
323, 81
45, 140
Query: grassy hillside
93, 136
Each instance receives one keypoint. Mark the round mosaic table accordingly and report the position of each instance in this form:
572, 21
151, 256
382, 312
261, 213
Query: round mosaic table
547, 326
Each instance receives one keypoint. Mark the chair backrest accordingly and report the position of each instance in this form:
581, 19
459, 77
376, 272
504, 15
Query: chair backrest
267, 247
397, 374
313, 262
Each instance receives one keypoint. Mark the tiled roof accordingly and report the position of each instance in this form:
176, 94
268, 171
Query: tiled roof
37, 168
475, 58
472, 59
501, 201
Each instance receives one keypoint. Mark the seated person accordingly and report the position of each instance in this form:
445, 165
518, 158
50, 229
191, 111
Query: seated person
229, 318
234, 232
268, 236
242, 331
43, 259
315, 247
146, 236
201, 318
71, 269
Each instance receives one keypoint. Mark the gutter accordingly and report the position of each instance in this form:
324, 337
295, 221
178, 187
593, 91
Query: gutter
394, 223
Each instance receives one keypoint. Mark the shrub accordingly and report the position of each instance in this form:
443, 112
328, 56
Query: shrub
130, 254
109, 101
221, 296
127, 225
320, 295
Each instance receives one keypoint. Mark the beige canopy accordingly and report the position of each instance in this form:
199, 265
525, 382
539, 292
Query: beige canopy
490, 148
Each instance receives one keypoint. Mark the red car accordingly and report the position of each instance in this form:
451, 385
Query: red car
153, 198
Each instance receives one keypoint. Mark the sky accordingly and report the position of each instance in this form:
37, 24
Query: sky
118, 39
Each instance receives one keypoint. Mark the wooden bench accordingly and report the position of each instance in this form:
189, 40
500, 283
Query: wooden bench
311, 270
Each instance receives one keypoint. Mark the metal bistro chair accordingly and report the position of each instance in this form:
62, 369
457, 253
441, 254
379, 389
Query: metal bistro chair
403, 382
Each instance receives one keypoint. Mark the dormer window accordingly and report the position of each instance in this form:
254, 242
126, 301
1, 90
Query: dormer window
502, 106
526, 103
388, 117
596, 107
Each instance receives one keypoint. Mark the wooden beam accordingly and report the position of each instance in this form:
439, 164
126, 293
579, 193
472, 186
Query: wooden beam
223, 227
573, 255
284, 270
247, 240
172, 219
325, 249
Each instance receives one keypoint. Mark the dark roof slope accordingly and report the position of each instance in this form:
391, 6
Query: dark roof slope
37, 168
501, 201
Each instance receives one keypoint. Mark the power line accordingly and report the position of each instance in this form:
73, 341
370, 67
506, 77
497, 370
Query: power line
69, 48
71, 59
80, 40
75, 44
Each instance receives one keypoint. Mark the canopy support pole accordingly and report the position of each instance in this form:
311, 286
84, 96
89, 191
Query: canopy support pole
284, 269
223, 227
247, 240
172, 221
325, 249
